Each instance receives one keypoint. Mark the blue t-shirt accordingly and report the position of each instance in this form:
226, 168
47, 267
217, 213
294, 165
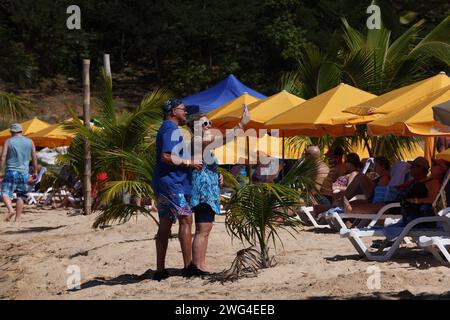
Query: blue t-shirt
169, 179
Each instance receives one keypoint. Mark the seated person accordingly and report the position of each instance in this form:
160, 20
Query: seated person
363, 184
313, 153
421, 191
34, 184
352, 166
337, 169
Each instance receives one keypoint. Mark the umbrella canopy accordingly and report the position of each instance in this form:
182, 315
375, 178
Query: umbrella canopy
314, 116
236, 151
394, 100
29, 127
223, 92
53, 136
260, 111
230, 111
441, 113
414, 120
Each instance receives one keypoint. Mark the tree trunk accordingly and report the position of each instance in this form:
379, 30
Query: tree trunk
87, 147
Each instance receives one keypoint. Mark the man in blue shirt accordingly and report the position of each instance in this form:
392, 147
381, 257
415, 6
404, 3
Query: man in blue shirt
17, 153
171, 185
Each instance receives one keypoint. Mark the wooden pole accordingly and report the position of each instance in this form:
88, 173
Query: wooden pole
282, 154
249, 168
107, 64
87, 147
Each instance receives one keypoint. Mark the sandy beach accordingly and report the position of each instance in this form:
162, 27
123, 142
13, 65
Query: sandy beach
118, 262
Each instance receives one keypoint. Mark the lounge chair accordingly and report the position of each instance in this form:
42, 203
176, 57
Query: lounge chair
387, 250
437, 245
336, 219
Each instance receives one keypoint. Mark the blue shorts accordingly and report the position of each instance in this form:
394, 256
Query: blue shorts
173, 206
15, 182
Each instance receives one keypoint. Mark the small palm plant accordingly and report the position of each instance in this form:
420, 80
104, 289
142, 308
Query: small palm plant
256, 212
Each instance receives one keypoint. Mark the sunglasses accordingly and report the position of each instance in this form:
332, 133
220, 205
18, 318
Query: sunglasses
206, 123
181, 108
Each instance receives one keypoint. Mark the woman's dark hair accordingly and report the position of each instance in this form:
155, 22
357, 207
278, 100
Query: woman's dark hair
382, 161
193, 118
353, 158
338, 151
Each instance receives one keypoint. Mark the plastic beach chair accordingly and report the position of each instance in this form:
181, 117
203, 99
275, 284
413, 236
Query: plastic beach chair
390, 247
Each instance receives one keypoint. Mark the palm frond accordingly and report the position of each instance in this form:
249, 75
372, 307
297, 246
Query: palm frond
435, 44
13, 107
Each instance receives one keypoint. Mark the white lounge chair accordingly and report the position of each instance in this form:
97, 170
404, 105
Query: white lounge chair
387, 251
309, 213
437, 246
336, 219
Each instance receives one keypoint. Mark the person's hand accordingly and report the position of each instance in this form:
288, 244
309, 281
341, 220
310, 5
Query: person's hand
245, 119
220, 179
413, 200
196, 165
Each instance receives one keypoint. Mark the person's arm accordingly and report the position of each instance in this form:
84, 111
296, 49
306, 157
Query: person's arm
34, 159
245, 119
169, 143
174, 160
3, 158
433, 187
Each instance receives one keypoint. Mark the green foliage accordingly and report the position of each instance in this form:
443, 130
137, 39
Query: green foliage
13, 107
188, 45
257, 211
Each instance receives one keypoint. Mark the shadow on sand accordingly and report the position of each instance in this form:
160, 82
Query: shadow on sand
34, 229
416, 258
125, 279
402, 295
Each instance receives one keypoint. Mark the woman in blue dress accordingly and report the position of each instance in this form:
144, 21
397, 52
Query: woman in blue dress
205, 194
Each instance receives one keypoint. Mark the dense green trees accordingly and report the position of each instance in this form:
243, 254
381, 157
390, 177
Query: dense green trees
185, 45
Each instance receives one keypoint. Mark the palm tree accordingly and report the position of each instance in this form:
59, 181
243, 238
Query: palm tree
122, 146
255, 210
13, 107
374, 63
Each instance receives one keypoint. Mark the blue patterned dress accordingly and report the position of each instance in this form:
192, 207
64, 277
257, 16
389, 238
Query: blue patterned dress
205, 186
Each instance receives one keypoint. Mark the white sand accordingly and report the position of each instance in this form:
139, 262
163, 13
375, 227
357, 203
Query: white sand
36, 254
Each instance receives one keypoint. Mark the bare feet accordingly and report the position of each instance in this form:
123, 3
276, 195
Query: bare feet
204, 268
9, 215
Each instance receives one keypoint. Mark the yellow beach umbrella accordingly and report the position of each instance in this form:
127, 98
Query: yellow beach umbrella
260, 111
230, 111
28, 127
235, 151
394, 100
52, 137
413, 120
314, 116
